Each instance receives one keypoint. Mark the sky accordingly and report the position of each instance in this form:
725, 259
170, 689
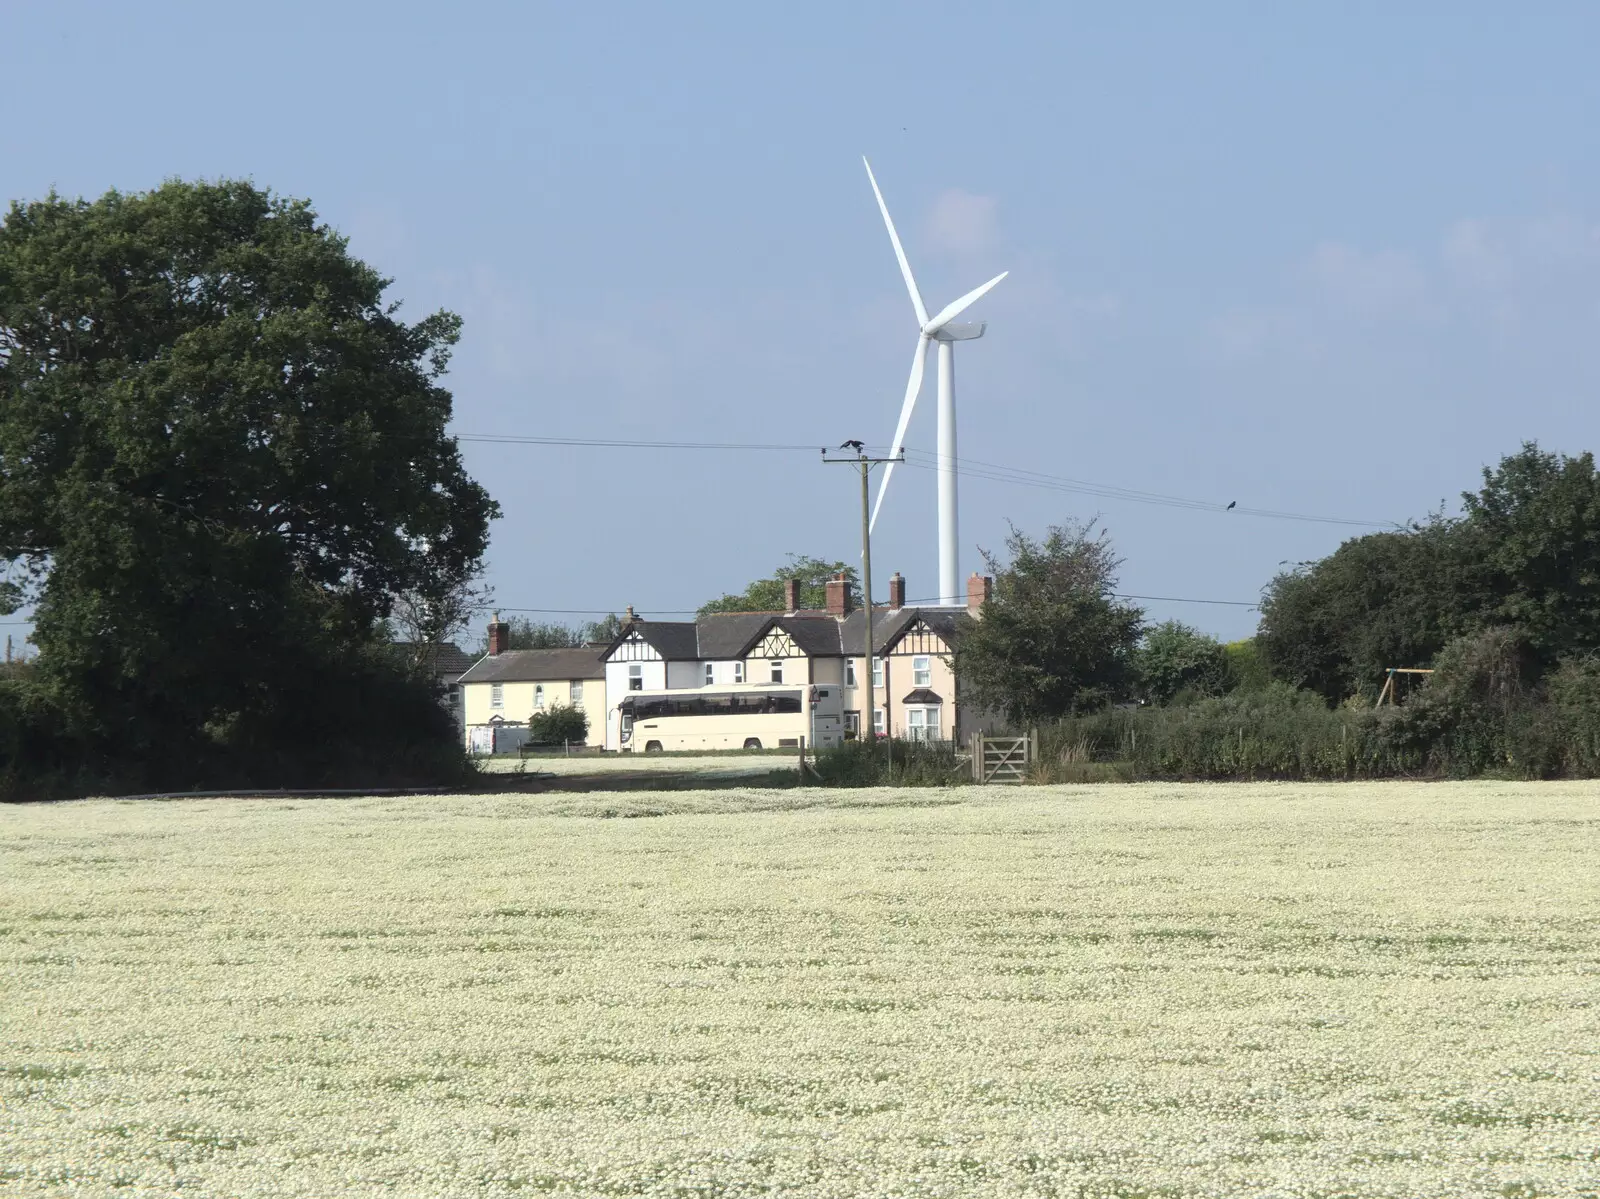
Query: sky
1328, 261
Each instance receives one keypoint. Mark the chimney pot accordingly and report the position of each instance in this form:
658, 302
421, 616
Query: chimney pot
630, 617
791, 595
978, 590
838, 590
897, 592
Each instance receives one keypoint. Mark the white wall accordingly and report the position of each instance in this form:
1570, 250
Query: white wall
684, 674
655, 679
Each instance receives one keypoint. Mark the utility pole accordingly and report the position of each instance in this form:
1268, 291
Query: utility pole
864, 463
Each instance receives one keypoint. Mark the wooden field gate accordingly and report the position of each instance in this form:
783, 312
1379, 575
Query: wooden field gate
1002, 759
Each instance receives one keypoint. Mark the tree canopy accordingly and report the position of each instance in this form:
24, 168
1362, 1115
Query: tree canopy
766, 595
1053, 640
224, 458
523, 633
1524, 554
1173, 658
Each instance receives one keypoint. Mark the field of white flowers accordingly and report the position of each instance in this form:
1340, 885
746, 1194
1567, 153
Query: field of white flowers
1126, 991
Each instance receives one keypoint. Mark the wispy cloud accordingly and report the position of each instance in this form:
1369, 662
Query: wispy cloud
1384, 283
1492, 276
962, 223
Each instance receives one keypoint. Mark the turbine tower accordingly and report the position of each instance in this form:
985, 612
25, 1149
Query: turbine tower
942, 331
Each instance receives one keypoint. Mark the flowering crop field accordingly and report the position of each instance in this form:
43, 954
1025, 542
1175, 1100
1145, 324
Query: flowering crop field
1123, 991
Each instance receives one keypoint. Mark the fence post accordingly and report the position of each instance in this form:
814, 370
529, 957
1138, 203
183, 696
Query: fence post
802, 761
1033, 745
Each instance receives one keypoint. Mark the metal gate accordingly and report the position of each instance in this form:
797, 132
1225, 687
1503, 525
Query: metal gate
1001, 759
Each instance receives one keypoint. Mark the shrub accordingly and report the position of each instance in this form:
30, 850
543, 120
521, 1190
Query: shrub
897, 764
558, 724
1574, 700
852, 764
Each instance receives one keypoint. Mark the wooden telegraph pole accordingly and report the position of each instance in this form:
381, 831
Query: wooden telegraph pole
864, 463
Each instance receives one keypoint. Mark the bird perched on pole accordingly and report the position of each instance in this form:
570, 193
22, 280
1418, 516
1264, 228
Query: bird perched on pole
852, 445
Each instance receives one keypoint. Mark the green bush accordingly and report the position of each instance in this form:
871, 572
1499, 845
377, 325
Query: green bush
1484, 711
851, 764
893, 764
1246, 667
303, 739
1574, 700
558, 724
1277, 732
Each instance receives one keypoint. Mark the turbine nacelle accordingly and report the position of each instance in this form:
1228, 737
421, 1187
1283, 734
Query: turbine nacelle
960, 331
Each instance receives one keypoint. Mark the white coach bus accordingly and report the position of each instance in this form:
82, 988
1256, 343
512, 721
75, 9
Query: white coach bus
741, 716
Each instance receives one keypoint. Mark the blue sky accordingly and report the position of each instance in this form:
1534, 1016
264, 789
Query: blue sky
1327, 262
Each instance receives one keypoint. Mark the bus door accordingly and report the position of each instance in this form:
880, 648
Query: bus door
827, 716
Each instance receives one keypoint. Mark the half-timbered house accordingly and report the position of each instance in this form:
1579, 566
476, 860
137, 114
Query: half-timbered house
909, 691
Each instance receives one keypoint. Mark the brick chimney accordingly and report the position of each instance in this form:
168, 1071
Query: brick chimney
499, 635
978, 588
897, 592
838, 596
629, 617
791, 595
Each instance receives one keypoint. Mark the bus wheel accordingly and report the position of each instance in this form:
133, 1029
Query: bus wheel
752, 742
652, 747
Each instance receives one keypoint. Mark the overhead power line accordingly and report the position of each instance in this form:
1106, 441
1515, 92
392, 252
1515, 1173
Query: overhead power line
928, 601
968, 467
615, 444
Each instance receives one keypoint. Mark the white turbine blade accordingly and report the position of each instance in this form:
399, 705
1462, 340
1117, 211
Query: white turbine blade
899, 252
913, 389
956, 307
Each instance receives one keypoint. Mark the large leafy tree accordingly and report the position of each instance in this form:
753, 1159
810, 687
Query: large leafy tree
1387, 599
223, 459
1175, 658
1053, 639
1533, 534
767, 595
1524, 554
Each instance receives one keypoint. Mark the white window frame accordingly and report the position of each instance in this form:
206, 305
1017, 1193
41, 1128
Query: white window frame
538, 697
849, 672
922, 671
877, 722
922, 724
497, 695
777, 670
455, 695
575, 688
877, 672
635, 677
738, 672
711, 675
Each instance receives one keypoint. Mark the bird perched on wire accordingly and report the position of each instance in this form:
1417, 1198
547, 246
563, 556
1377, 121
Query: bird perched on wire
852, 445
1231, 504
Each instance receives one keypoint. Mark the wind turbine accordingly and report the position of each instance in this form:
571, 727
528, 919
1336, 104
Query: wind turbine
939, 329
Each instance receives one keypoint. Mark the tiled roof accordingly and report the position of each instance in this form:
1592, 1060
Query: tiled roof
723, 635
447, 658
719, 636
672, 639
537, 666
